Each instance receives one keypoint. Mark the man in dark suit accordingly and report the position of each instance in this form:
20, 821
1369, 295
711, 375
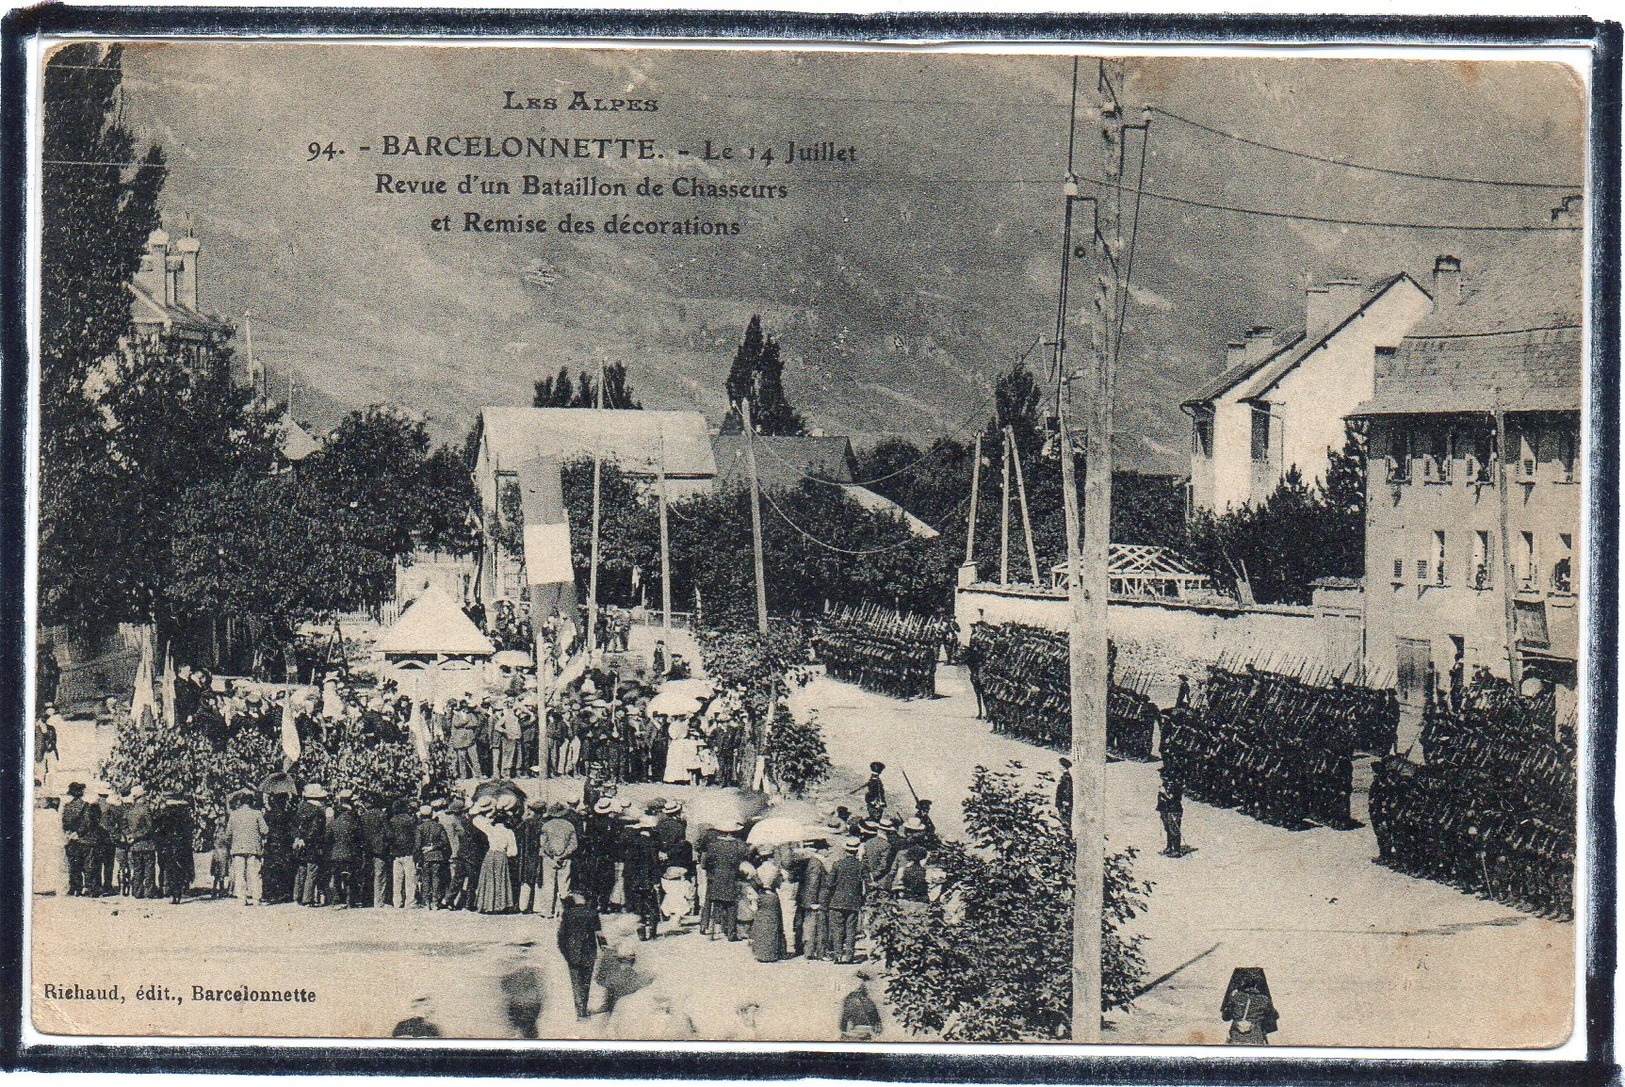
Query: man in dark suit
78, 833
580, 936
845, 899
722, 861
811, 891
347, 859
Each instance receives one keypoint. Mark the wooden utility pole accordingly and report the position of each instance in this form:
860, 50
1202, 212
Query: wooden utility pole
1088, 548
755, 516
665, 545
1509, 578
1026, 516
597, 494
1004, 515
975, 490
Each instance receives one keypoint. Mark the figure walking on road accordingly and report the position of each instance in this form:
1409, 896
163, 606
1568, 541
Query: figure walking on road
1171, 807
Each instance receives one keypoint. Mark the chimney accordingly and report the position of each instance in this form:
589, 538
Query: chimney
1260, 342
1234, 352
186, 274
1327, 305
153, 276
1446, 280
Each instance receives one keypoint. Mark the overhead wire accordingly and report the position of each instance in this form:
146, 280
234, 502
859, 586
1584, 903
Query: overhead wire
1345, 163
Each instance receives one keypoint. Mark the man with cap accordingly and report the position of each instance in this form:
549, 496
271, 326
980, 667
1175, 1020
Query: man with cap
347, 858
874, 790
310, 845
139, 829
844, 900
922, 812
78, 832
1063, 795
433, 855
722, 860
109, 827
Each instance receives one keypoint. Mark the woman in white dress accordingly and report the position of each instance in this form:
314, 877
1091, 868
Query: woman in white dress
682, 754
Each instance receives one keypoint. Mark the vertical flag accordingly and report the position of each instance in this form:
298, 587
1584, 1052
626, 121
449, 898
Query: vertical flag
166, 685
419, 728
142, 701
291, 749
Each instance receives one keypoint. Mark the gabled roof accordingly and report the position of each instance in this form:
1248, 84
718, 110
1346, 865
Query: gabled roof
633, 440
149, 310
876, 502
782, 462
435, 624
1512, 342
1284, 362
297, 442
1235, 375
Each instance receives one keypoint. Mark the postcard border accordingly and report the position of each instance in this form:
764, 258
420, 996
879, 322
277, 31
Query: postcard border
1604, 40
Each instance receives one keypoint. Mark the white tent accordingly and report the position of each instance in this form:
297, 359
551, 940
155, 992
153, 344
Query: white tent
434, 650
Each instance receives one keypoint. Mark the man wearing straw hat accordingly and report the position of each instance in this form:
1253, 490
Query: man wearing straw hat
722, 860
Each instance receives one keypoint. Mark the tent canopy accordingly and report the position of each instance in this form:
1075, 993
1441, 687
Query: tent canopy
433, 625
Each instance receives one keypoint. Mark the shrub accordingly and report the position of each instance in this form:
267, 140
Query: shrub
795, 752
991, 959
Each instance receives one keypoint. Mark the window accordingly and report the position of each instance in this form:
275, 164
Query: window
1422, 570
1441, 565
1399, 569
1562, 569
1568, 444
1261, 433
1399, 456
1526, 561
1526, 458
1202, 436
1480, 576
1479, 460
1435, 457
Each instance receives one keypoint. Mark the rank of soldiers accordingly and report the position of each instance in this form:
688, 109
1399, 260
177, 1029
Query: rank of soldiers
881, 650
1021, 676
1277, 747
1492, 808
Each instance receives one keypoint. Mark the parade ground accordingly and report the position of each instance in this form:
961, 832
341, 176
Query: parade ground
1356, 955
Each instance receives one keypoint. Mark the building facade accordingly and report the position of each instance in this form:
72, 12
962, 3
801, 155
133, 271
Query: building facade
1282, 400
1474, 483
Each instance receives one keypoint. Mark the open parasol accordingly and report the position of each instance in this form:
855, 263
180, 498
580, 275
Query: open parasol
512, 658
778, 829
279, 784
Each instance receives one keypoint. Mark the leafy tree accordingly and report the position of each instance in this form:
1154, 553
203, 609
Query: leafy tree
560, 392
757, 375
795, 753
760, 667
95, 222
96, 219
628, 532
990, 960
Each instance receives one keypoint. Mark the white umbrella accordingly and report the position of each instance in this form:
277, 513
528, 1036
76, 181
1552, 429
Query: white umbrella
698, 688
779, 829
675, 703
512, 658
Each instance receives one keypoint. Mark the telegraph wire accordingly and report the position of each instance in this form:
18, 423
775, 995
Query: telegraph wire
1498, 182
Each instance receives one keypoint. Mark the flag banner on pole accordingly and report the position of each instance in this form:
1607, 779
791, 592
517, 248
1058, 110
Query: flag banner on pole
167, 685
143, 702
547, 553
291, 748
419, 728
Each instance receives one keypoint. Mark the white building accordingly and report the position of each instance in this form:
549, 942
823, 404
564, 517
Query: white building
1282, 400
